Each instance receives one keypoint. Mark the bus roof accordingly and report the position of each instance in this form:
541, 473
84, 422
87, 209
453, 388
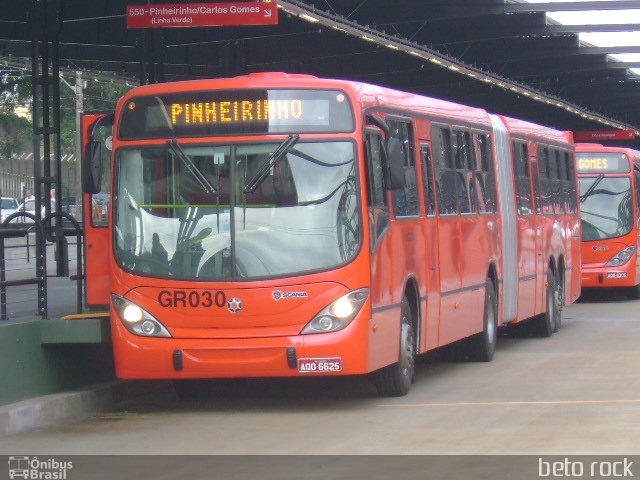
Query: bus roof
369, 95
522, 128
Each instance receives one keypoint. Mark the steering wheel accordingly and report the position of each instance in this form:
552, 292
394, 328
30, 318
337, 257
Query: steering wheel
160, 267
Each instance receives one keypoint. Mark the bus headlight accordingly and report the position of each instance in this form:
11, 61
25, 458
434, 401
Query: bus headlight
137, 320
622, 257
338, 314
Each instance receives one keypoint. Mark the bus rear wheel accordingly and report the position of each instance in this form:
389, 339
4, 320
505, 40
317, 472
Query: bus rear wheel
550, 321
395, 380
482, 346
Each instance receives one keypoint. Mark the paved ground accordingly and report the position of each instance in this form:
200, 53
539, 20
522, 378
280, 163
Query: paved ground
575, 393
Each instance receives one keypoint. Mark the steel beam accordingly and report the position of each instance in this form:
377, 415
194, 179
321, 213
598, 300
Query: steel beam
569, 6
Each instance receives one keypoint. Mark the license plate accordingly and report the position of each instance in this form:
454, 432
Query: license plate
319, 365
617, 275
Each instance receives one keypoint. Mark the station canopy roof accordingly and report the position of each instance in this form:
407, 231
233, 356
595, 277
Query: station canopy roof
507, 56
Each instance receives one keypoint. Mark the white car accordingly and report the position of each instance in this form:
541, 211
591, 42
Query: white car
28, 206
8, 205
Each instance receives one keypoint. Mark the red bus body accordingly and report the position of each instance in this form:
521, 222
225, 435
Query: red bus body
413, 246
616, 197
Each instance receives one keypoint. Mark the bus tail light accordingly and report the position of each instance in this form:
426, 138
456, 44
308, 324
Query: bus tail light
621, 257
338, 314
137, 320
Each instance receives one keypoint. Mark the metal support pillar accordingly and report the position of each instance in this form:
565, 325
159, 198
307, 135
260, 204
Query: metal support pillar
45, 23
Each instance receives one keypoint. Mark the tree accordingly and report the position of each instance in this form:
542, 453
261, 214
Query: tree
99, 96
15, 130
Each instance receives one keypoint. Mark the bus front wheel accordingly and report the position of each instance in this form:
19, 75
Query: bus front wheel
395, 380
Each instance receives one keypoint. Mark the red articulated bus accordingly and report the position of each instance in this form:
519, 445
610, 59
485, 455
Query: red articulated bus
609, 179
285, 225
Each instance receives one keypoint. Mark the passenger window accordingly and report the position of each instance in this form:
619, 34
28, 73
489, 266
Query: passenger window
445, 175
557, 193
462, 163
523, 186
546, 186
405, 199
100, 200
430, 200
535, 180
485, 178
378, 210
571, 180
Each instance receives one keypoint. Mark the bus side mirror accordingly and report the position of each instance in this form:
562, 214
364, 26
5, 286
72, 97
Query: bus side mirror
93, 167
395, 164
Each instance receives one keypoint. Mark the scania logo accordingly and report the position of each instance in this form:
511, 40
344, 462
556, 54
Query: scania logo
599, 248
234, 305
278, 295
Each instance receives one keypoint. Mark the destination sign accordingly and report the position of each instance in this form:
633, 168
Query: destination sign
236, 112
601, 162
201, 14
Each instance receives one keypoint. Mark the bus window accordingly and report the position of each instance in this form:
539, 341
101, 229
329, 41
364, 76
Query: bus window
378, 210
556, 181
100, 200
428, 180
607, 209
523, 186
568, 183
445, 175
535, 180
546, 188
462, 162
486, 178
405, 200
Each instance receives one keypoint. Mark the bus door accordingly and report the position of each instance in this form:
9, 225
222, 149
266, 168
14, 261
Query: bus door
432, 313
97, 129
541, 262
636, 217
527, 231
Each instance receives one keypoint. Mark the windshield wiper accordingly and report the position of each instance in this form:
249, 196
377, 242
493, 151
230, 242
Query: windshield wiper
591, 188
276, 156
197, 174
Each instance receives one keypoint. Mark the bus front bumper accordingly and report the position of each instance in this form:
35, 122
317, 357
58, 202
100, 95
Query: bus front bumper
337, 353
608, 277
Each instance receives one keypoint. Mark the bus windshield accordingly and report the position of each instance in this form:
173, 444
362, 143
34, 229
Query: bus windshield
301, 216
606, 206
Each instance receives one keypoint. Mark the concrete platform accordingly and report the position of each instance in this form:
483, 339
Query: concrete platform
50, 409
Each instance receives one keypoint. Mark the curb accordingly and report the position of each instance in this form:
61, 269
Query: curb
49, 409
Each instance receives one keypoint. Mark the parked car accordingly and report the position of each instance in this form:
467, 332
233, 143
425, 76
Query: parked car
28, 206
70, 206
8, 205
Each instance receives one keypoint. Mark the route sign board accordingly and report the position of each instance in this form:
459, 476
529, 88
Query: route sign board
597, 135
169, 15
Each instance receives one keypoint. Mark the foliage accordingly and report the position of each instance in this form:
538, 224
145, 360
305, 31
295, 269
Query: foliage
98, 96
15, 131
15, 91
